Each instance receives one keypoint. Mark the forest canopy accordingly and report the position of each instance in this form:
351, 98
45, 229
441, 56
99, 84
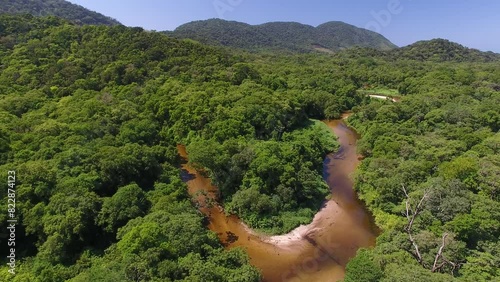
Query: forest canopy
59, 8
91, 117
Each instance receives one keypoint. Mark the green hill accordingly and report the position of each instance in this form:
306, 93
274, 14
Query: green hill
339, 35
60, 8
91, 117
442, 50
283, 36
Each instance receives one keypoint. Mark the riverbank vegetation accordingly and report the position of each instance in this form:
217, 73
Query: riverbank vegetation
91, 124
431, 174
91, 116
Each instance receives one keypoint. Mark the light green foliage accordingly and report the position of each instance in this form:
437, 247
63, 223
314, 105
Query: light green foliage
90, 118
482, 266
413, 273
127, 203
363, 268
82, 125
437, 142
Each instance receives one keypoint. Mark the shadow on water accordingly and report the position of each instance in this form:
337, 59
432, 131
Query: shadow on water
186, 176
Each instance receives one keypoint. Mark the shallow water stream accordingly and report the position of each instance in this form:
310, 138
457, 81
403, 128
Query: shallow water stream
318, 251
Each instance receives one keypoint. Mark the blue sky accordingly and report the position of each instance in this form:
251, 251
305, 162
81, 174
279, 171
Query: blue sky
473, 23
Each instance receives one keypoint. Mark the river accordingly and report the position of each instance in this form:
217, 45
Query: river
318, 251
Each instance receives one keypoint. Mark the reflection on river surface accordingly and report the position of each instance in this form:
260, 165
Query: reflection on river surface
318, 251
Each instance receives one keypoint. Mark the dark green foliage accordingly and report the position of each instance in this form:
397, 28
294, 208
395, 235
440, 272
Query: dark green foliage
91, 124
437, 142
127, 203
83, 122
60, 8
442, 50
282, 36
263, 181
90, 117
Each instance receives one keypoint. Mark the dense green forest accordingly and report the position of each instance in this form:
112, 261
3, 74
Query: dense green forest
60, 8
439, 50
431, 175
91, 124
289, 37
91, 116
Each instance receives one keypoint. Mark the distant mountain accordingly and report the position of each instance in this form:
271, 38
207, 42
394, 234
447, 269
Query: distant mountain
59, 8
442, 50
289, 36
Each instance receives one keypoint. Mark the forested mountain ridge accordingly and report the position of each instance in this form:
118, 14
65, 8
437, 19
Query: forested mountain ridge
90, 117
442, 50
60, 8
288, 36
329, 37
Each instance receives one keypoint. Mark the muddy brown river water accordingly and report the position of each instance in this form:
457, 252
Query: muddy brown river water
318, 251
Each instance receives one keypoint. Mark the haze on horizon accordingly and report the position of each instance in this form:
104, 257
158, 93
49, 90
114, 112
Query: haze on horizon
474, 24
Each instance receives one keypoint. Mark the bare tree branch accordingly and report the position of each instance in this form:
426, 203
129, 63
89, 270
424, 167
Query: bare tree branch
440, 254
411, 215
445, 261
454, 265
404, 190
